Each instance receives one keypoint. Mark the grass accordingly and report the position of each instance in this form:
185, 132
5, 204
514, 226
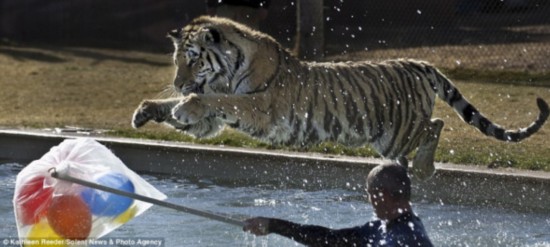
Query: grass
47, 87
500, 77
234, 138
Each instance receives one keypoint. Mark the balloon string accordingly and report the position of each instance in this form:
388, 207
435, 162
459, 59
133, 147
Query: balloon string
154, 201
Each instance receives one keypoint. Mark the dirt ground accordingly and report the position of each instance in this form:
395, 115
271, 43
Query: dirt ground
55, 86
48, 87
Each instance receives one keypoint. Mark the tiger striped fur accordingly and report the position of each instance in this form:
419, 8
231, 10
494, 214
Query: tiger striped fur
231, 75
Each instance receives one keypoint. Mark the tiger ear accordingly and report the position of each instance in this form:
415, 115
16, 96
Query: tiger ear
210, 36
174, 34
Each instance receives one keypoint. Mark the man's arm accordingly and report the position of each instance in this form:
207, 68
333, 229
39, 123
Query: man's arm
309, 235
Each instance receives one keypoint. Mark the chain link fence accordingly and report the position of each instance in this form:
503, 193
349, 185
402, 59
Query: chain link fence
502, 35
477, 34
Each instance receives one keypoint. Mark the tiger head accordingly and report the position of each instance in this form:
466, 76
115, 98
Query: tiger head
217, 55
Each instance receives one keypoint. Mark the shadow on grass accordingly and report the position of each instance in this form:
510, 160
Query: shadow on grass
48, 55
22, 55
101, 56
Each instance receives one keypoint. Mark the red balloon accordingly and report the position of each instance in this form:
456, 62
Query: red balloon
70, 217
33, 201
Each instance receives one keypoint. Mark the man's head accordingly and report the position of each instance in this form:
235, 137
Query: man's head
389, 189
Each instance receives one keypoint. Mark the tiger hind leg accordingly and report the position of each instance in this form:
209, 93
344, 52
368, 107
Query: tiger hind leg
423, 162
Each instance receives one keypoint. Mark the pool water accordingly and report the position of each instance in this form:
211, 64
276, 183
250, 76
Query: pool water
447, 225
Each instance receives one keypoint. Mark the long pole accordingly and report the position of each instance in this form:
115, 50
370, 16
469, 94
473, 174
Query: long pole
154, 201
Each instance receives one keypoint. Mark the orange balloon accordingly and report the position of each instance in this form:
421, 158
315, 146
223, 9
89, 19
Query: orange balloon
70, 217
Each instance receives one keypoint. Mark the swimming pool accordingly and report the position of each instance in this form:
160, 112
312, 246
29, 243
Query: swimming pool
447, 224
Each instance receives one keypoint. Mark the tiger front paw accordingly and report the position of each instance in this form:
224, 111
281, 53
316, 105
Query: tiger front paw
190, 110
146, 111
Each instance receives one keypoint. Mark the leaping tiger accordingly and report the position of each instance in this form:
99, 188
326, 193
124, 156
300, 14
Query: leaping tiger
231, 75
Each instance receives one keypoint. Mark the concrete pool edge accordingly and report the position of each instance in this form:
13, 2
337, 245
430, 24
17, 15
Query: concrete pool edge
455, 184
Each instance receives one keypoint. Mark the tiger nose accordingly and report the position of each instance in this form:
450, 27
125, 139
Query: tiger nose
178, 83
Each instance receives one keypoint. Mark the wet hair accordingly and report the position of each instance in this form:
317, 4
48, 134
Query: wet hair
392, 178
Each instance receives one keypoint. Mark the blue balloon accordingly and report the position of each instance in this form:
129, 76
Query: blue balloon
103, 203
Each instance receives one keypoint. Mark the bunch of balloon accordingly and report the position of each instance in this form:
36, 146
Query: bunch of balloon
48, 216
52, 211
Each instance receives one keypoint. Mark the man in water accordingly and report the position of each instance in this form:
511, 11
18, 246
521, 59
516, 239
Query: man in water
389, 189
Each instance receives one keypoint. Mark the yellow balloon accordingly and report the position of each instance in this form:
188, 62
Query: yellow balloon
41, 234
126, 216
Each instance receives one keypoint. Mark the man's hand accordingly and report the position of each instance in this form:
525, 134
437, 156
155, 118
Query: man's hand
258, 226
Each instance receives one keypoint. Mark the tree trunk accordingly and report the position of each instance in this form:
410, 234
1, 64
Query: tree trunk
310, 40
